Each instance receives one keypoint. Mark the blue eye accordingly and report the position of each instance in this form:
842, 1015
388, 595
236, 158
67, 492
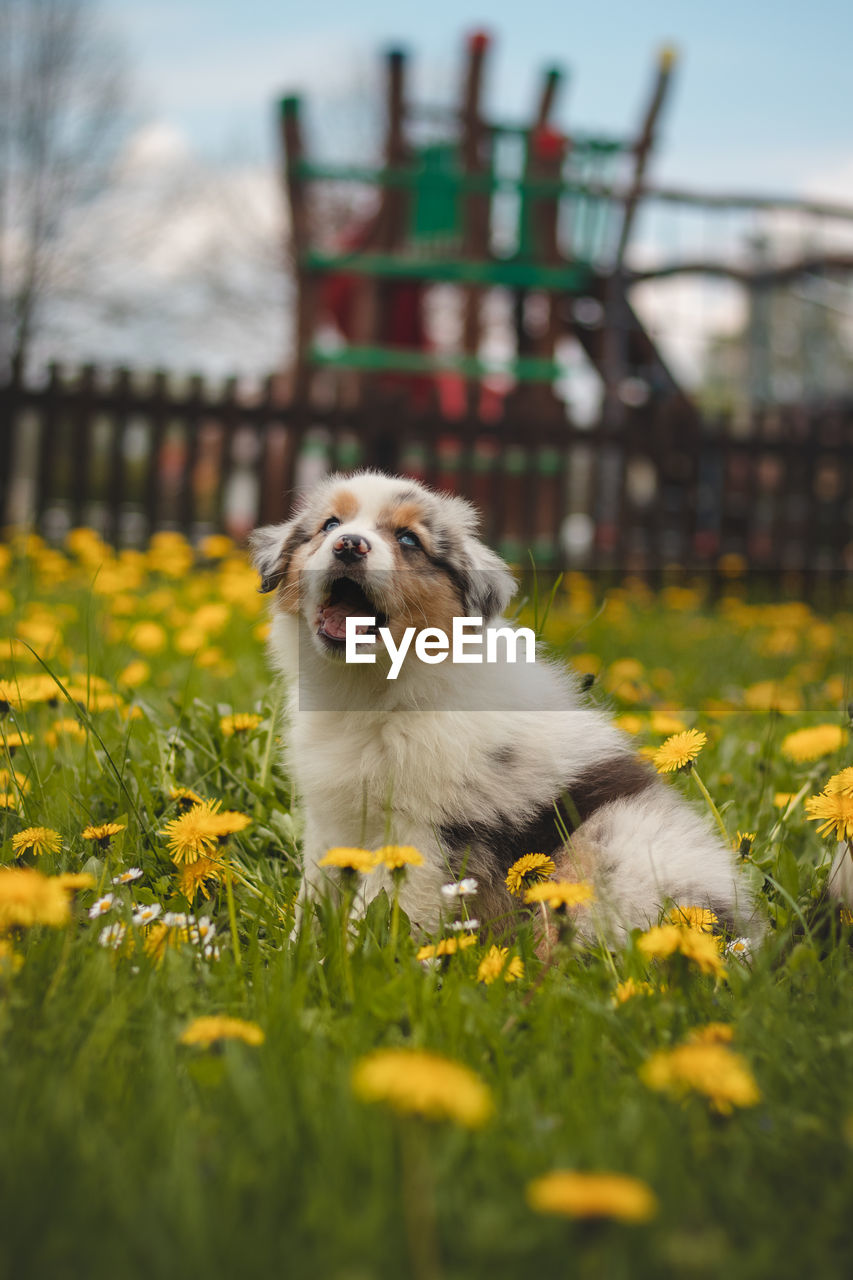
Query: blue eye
331, 523
406, 538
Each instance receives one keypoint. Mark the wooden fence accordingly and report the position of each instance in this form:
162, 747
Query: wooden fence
130, 455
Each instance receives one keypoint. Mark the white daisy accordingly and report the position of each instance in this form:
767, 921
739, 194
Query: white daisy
178, 919
144, 915
101, 907
112, 935
132, 873
465, 926
211, 952
460, 888
203, 931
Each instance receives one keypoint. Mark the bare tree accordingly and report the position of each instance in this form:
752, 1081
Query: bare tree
62, 118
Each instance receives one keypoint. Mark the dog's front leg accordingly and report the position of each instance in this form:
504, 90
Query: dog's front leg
420, 890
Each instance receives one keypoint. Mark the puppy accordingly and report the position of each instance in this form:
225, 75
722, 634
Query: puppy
474, 764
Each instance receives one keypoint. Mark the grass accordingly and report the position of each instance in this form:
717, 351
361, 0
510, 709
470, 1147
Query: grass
126, 1152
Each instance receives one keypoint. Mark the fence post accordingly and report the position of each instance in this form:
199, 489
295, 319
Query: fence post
9, 405
81, 445
118, 462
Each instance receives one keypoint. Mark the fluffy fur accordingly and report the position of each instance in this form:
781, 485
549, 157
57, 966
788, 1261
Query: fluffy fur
465, 762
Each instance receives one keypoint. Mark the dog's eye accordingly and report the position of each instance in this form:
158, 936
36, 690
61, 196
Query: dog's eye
331, 523
406, 538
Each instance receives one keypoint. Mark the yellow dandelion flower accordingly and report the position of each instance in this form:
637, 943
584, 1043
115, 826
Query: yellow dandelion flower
227, 822
661, 941
189, 836
349, 859
184, 797
661, 722
157, 938
629, 988
397, 856
37, 840
625, 669
743, 842
211, 617
835, 689
718, 708
586, 664
781, 799
194, 875
27, 691
11, 781
65, 727
216, 546
9, 695
170, 931
666, 940
840, 784
135, 674
713, 1070
243, 722
189, 640
527, 870
148, 637
560, 893
833, 812
415, 1082
712, 1033
105, 832
446, 947
208, 1030
630, 723
571, 1194
27, 897
14, 740
679, 751
694, 918
71, 881
197, 832
495, 965
769, 695
704, 950
8, 800
95, 699
805, 745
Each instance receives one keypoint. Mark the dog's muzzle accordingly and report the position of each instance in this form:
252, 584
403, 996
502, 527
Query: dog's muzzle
350, 548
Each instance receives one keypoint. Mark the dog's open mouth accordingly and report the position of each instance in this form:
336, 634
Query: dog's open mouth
346, 599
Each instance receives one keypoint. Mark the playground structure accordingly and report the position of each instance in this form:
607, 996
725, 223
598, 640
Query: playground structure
544, 215
477, 204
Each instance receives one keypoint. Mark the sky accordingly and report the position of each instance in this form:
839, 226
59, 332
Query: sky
761, 99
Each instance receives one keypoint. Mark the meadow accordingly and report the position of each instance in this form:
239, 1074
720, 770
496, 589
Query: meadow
189, 1087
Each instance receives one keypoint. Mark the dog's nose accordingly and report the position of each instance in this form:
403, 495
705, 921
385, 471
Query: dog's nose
350, 547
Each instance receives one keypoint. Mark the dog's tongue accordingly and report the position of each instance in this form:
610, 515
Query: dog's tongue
333, 620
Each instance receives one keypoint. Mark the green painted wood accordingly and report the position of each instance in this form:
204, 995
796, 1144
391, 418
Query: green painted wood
412, 176
405, 360
437, 210
572, 277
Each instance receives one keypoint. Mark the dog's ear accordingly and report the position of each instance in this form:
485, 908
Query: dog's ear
270, 550
486, 584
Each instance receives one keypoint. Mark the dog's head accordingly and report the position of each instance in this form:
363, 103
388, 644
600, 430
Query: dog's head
371, 545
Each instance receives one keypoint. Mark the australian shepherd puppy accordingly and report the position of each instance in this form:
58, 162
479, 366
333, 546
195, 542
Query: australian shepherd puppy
473, 763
